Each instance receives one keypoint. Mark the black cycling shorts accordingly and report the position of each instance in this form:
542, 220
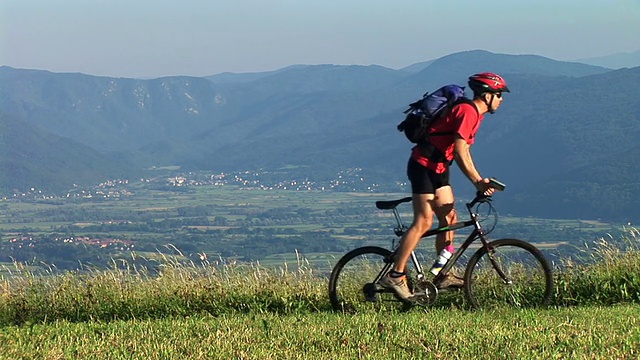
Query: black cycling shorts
423, 180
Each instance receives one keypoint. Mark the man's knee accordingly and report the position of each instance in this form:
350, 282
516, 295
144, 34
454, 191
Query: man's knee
452, 216
447, 215
423, 223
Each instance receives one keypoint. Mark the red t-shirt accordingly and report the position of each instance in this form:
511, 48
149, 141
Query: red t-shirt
463, 120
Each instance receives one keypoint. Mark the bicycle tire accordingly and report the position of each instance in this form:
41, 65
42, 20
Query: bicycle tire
351, 284
527, 268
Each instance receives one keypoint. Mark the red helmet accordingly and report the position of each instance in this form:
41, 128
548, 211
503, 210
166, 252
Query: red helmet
487, 82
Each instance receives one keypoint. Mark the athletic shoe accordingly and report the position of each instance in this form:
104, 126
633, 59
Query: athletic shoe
398, 284
451, 281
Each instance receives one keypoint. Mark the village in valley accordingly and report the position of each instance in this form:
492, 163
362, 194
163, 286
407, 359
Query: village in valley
352, 179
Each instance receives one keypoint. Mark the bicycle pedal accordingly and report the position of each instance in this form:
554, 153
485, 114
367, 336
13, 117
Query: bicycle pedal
370, 292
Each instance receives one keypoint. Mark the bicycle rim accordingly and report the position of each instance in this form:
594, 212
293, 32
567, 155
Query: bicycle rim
529, 274
352, 286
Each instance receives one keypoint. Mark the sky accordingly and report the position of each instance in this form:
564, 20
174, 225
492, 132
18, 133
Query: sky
154, 38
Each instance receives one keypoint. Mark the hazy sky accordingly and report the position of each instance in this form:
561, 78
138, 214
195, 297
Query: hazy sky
152, 38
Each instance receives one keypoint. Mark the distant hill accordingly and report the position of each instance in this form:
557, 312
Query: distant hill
235, 78
112, 114
417, 67
609, 189
559, 117
563, 132
615, 61
457, 67
34, 158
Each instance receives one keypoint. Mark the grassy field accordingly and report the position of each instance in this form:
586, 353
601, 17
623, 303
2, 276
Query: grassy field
594, 332
278, 307
247, 311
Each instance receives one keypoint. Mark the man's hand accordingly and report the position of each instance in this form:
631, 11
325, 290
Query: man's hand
483, 186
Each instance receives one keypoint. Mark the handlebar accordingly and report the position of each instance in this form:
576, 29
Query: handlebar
480, 198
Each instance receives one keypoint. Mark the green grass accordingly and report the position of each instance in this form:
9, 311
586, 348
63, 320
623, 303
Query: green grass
218, 309
567, 333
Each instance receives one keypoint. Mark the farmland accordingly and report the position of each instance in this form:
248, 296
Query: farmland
240, 220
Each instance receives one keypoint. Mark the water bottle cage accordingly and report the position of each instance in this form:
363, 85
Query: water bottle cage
399, 231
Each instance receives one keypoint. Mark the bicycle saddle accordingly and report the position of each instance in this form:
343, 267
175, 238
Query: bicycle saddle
391, 204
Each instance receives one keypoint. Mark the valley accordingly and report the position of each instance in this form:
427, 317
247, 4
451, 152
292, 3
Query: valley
243, 216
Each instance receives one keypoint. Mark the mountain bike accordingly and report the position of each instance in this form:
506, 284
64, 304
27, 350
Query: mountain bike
504, 272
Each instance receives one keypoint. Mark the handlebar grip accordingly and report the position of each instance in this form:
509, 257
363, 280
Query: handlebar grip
494, 183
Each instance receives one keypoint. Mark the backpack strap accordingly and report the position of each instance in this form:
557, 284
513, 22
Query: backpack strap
462, 100
429, 150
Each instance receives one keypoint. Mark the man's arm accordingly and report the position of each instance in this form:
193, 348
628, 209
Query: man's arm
462, 155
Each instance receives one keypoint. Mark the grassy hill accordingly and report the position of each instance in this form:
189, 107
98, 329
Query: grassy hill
576, 333
233, 310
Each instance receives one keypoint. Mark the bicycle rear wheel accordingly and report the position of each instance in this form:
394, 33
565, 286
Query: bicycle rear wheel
518, 276
352, 285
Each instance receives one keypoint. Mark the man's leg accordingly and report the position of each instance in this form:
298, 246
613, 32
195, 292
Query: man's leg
422, 221
446, 214
443, 206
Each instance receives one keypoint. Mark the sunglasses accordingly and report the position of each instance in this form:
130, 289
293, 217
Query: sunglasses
498, 95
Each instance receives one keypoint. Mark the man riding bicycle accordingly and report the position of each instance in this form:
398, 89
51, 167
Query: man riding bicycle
428, 171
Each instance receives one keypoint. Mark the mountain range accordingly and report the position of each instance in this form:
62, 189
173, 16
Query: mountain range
564, 138
615, 61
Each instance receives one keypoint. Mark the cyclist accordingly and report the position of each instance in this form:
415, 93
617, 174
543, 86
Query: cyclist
428, 172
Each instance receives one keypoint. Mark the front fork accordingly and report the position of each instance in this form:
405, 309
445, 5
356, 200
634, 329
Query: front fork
490, 250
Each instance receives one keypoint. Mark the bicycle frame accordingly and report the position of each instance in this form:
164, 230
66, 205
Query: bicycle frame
478, 232
530, 279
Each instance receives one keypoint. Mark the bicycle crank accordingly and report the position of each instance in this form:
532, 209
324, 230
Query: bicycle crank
370, 292
425, 293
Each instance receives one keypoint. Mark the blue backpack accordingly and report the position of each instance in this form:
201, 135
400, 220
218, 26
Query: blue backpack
421, 114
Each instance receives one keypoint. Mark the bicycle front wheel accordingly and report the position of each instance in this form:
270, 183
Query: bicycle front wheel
512, 273
352, 285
